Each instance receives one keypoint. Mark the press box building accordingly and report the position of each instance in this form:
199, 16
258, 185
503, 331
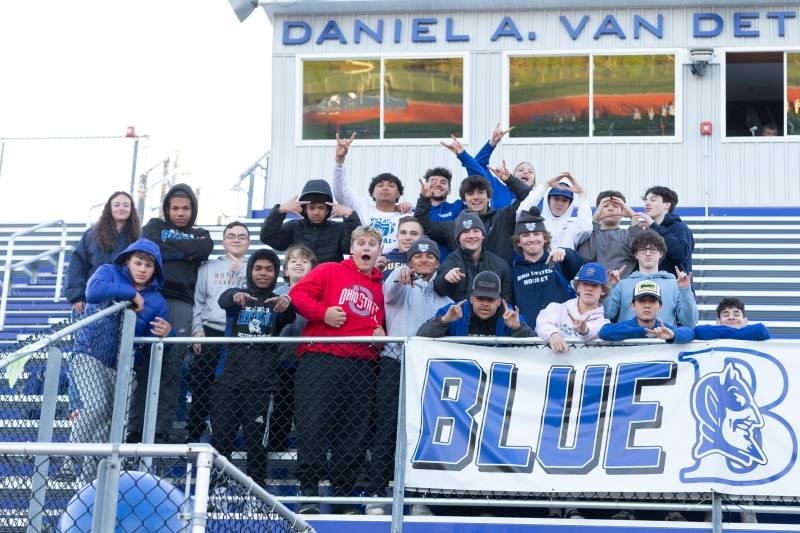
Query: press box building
702, 97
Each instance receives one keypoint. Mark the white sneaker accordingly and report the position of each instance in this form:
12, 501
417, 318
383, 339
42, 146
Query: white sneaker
749, 517
375, 509
420, 509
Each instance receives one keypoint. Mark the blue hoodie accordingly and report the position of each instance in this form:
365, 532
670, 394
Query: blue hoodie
630, 329
478, 166
111, 283
678, 305
750, 332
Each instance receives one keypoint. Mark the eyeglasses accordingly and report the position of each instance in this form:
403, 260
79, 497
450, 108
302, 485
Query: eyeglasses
235, 237
648, 250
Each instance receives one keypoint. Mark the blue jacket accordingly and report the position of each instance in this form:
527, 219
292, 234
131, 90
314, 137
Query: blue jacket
680, 243
630, 329
751, 332
460, 328
478, 165
538, 284
86, 258
112, 283
445, 211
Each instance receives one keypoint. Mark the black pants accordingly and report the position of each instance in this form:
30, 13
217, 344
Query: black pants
282, 409
201, 379
167, 399
242, 404
387, 393
333, 398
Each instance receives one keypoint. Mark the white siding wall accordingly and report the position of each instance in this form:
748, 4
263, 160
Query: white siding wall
741, 172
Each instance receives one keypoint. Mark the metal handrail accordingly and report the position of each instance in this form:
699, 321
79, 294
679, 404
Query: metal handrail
10, 267
46, 341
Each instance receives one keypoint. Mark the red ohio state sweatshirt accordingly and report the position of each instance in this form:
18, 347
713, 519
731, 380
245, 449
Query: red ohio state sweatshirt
358, 294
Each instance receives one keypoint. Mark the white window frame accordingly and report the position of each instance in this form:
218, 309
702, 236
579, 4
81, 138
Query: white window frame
298, 112
591, 139
723, 119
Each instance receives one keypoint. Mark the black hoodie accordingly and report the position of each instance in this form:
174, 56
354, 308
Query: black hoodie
253, 362
182, 249
329, 240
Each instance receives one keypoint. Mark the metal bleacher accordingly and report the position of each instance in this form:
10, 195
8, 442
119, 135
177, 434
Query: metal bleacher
754, 258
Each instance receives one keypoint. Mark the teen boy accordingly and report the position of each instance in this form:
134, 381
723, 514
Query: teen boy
408, 231
334, 383
732, 324
609, 244
646, 305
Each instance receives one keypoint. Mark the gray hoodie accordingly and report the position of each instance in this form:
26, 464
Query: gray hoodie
214, 278
678, 305
407, 308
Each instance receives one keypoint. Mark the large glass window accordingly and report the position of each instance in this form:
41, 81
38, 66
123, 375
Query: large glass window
634, 95
422, 98
592, 96
793, 94
754, 94
549, 96
341, 96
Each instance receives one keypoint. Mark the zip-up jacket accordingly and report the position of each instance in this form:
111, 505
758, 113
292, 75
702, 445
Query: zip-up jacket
680, 243
461, 259
469, 325
86, 258
630, 329
678, 305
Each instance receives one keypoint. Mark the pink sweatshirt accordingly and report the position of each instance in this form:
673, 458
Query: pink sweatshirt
555, 318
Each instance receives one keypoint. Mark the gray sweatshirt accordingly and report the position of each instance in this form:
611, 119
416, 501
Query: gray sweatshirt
407, 308
214, 278
610, 248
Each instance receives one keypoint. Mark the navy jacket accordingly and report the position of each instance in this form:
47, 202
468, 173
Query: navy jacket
86, 258
445, 211
395, 259
461, 259
460, 328
112, 282
183, 250
751, 332
538, 284
680, 243
630, 329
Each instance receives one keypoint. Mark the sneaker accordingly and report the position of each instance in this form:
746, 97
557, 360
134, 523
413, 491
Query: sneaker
420, 509
375, 509
573, 513
675, 516
309, 508
554, 513
749, 517
350, 510
623, 515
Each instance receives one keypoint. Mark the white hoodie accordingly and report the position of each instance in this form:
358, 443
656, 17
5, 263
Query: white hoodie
555, 318
566, 233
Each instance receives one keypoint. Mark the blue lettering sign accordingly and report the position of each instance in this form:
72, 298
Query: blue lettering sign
628, 414
420, 29
574, 32
699, 18
289, 26
639, 22
361, 27
741, 24
556, 455
609, 26
331, 31
494, 453
450, 34
506, 28
781, 16
452, 395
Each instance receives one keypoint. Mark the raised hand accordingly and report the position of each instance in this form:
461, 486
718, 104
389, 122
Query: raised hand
614, 276
579, 324
280, 303
684, 279
339, 210
643, 219
160, 327
498, 134
600, 207
557, 343
335, 316
406, 276
343, 146
293, 205
661, 332
454, 146
511, 316
404, 207
576, 187
236, 262
137, 303
425, 189
381, 262
241, 298
553, 182
453, 312
626, 210
501, 172
556, 256
454, 275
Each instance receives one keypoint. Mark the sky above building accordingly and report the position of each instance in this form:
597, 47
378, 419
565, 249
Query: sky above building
186, 74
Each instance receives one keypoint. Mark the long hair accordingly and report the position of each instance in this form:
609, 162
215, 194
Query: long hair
105, 229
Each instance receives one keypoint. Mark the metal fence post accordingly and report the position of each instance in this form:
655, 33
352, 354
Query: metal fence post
151, 399
106, 495
399, 489
119, 415
202, 484
716, 512
47, 418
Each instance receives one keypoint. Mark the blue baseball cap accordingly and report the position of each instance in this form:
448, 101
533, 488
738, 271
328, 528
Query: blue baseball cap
558, 191
592, 273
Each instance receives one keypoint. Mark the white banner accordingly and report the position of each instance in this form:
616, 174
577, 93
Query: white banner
704, 416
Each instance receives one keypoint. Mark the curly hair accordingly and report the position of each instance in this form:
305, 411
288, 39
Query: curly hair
105, 229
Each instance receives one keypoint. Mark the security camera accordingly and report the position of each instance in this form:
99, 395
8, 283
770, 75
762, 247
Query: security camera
700, 57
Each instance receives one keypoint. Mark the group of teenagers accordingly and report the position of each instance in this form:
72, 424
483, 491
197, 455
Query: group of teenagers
507, 259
